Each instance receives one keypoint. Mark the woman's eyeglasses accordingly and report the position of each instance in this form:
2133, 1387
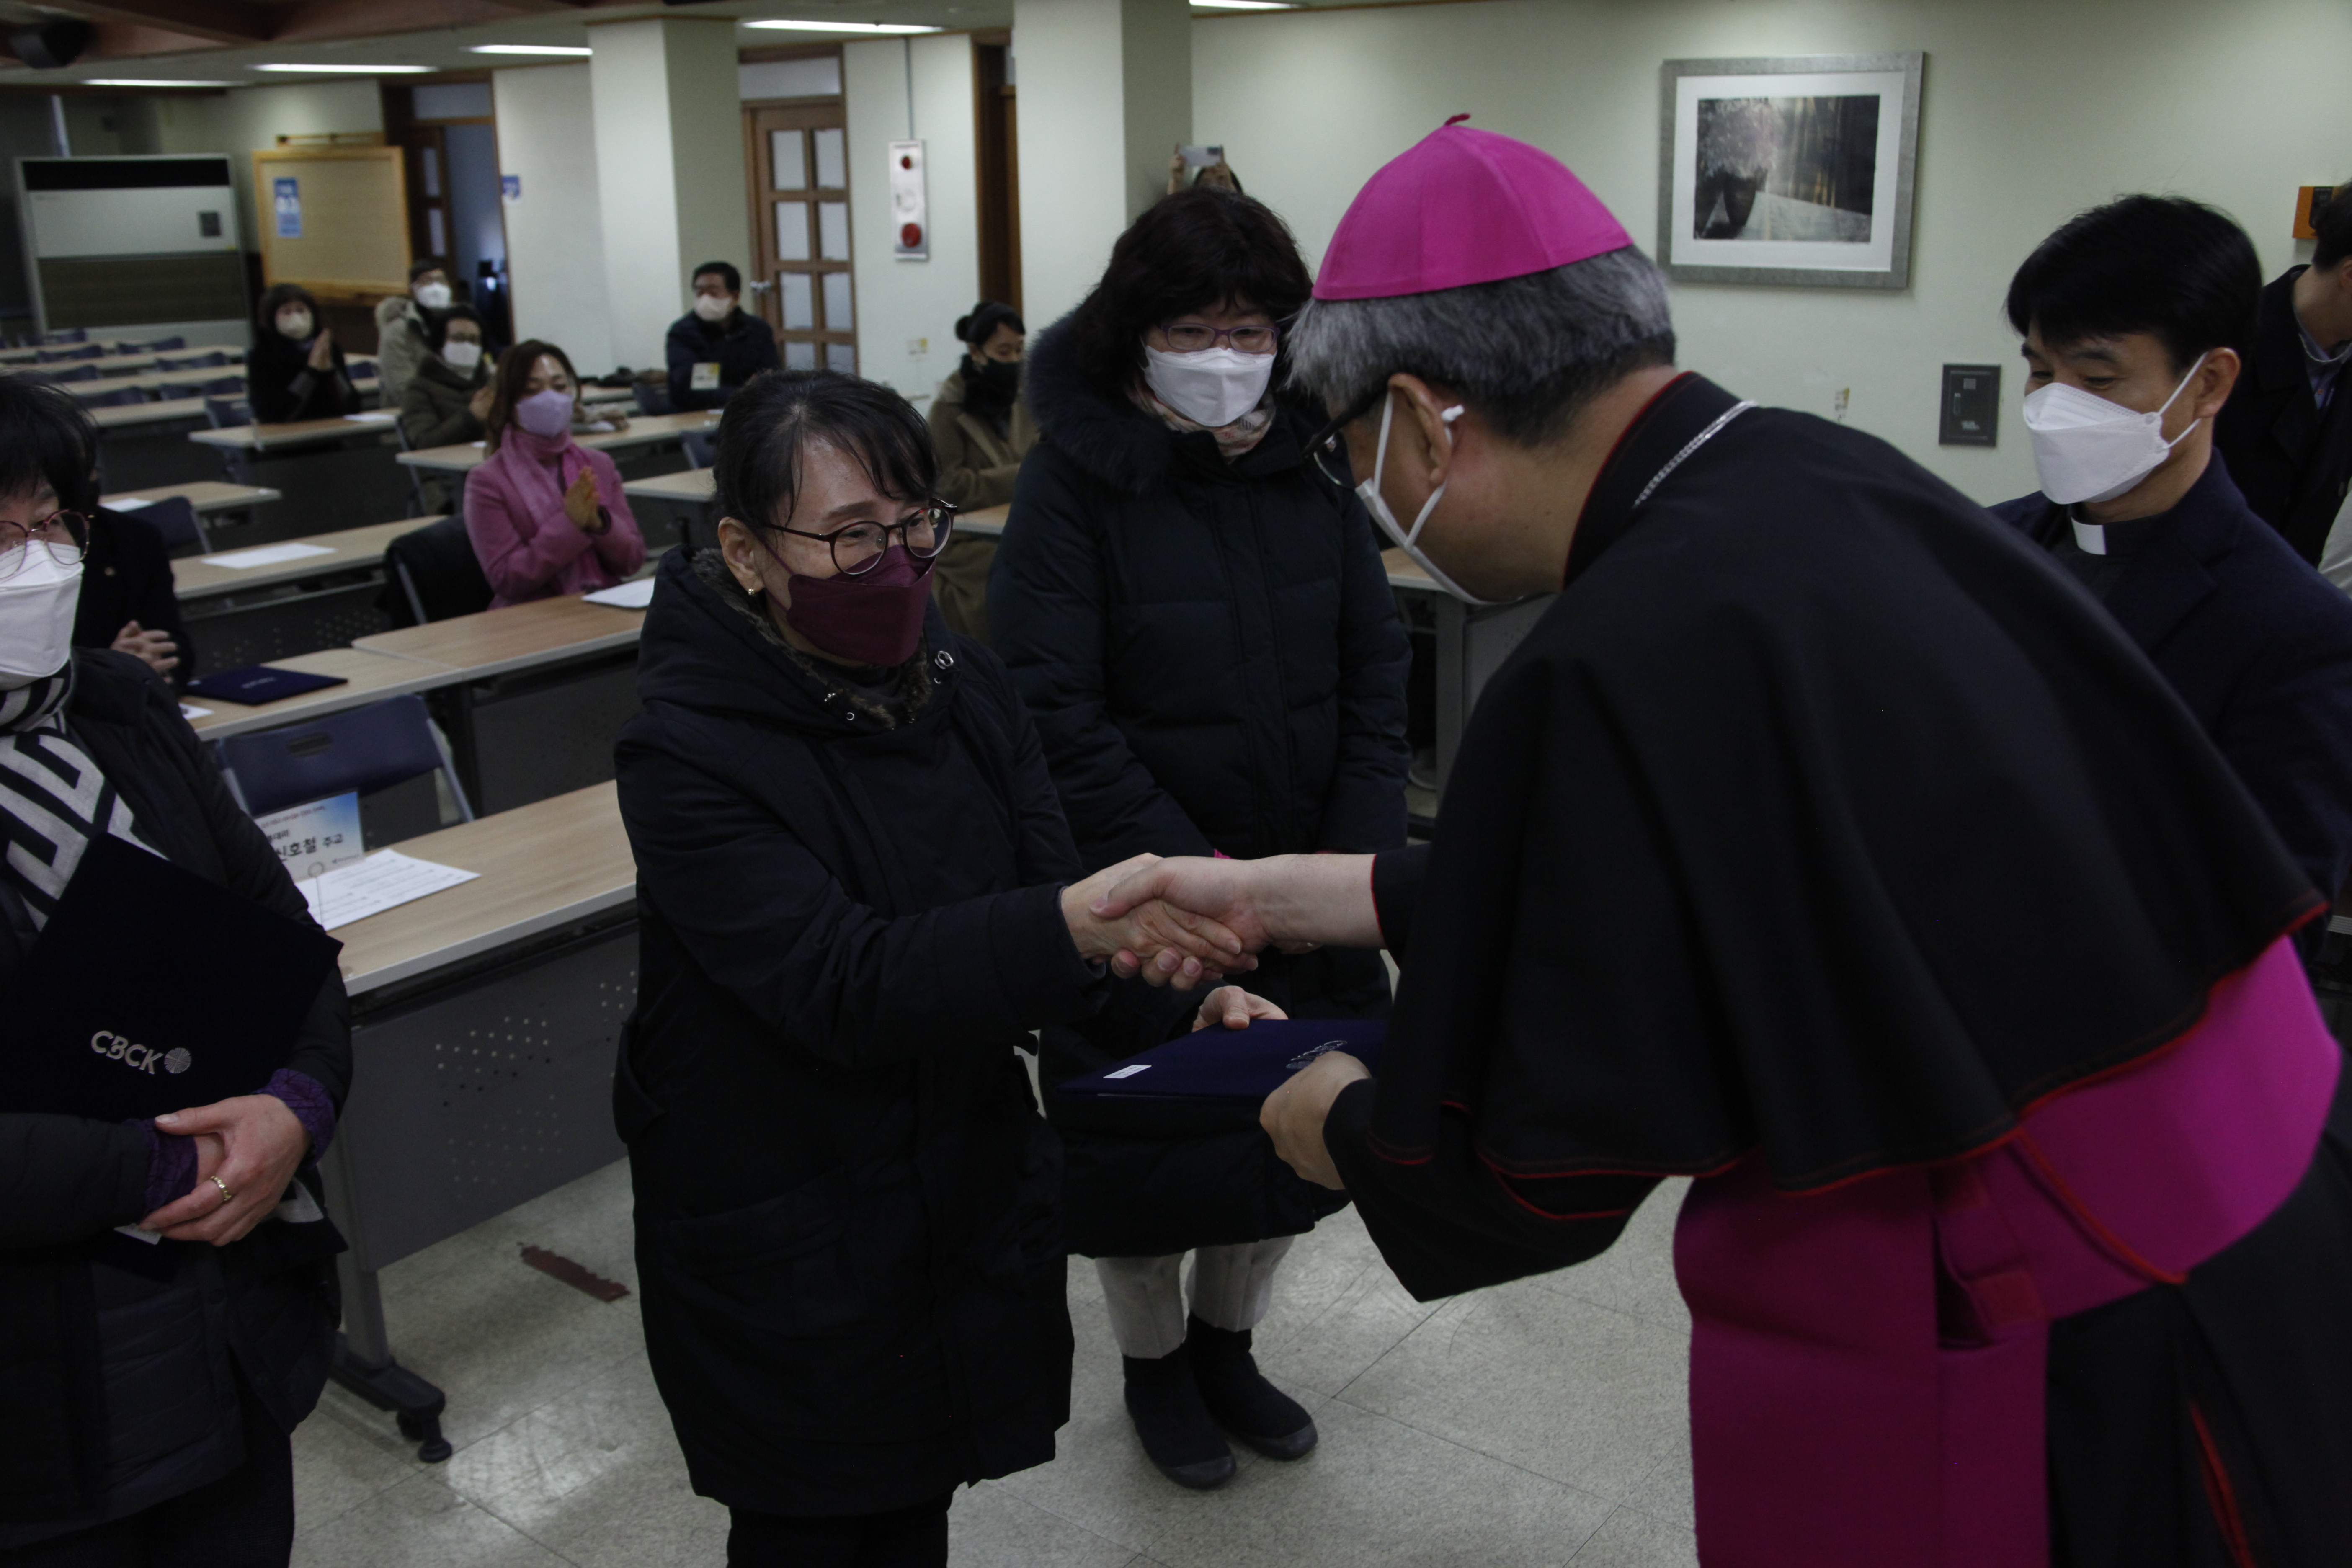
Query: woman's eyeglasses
860, 547
64, 534
1192, 337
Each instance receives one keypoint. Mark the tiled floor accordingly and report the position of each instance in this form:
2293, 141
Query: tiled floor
1541, 1423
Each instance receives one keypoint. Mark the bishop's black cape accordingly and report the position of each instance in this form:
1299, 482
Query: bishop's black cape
1820, 813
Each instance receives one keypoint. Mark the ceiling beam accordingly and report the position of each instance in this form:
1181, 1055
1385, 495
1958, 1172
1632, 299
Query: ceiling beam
213, 21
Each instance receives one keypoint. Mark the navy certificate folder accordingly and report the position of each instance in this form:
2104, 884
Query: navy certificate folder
104, 1021
258, 683
1229, 1066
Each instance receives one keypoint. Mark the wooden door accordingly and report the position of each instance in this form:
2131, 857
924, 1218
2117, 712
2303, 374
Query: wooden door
998, 143
797, 157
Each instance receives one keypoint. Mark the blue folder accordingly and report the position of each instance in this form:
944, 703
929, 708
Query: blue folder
105, 1020
254, 684
1228, 1066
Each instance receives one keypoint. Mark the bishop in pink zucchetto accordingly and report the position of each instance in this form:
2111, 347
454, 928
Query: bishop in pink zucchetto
1462, 206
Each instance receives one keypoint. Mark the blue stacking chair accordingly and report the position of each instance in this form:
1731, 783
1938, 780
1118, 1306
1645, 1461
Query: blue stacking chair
67, 335
54, 356
220, 386
177, 519
226, 411
366, 749
73, 373
161, 345
701, 447
120, 397
213, 360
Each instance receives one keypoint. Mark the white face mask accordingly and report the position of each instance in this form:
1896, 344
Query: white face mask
2087, 449
713, 308
459, 356
1212, 387
294, 324
432, 296
36, 617
1377, 504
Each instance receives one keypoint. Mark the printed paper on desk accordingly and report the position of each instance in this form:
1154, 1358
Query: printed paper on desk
372, 416
265, 555
315, 836
190, 710
384, 880
124, 503
631, 595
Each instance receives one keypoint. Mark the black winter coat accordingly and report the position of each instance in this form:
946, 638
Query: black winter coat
127, 576
2292, 459
99, 1421
742, 346
1215, 663
853, 1277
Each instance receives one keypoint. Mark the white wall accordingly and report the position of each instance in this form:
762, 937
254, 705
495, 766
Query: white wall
900, 304
251, 119
2033, 110
555, 234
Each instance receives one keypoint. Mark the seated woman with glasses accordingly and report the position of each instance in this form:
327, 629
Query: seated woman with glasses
546, 514
1201, 625
151, 1386
857, 898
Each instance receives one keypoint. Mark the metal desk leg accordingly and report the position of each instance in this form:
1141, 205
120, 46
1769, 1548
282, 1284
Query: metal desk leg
363, 1361
1472, 644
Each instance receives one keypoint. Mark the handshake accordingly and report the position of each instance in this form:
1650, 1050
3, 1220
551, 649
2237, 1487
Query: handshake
1184, 921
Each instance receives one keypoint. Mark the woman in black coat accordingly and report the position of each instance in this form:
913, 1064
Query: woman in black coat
1201, 627
295, 369
147, 1390
857, 898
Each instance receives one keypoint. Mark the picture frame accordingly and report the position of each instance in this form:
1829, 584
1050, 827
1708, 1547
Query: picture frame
1797, 170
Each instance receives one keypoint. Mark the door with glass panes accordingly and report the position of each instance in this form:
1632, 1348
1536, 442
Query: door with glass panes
798, 160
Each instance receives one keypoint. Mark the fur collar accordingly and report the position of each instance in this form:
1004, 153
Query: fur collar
1117, 443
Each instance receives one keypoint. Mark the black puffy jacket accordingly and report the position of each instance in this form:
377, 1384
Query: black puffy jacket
116, 1387
1214, 660
852, 1274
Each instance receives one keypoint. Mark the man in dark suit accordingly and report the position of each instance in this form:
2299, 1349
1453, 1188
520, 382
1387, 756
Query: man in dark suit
2286, 434
2145, 305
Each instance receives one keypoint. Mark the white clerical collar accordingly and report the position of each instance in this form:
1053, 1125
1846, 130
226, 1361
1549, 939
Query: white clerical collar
2090, 537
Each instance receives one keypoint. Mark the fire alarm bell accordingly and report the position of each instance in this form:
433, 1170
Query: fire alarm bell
906, 202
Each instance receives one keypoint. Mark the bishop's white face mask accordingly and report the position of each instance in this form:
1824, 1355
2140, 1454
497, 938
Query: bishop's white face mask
432, 296
36, 617
1408, 540
1212, 387
2087, 449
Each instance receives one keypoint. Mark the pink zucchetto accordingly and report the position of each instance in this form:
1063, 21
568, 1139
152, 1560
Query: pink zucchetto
1463, 206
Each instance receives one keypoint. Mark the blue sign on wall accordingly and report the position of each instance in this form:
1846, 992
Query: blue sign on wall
511, 187
289, 209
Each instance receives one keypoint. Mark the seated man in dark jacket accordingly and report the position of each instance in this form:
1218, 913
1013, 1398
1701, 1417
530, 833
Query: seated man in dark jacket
714, 348
2134, 316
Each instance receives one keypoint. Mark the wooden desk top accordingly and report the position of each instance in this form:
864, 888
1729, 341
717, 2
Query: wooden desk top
645, 430
194, 577
693, 485
539, 866
300, 432
149, 414
520, 636
368, 676
207, 496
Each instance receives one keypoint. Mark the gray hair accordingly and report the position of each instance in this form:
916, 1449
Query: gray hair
1527, 352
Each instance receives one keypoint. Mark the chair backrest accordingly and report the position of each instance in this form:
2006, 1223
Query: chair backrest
227, 411
438, 574
653, 397
120, 397
87, 351
364, 749
195, 361
702, 447
161, 345
222, 386
71, 373
176, 518
67, 335
363, 370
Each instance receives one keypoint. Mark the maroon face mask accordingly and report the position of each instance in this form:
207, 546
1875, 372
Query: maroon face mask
875, 617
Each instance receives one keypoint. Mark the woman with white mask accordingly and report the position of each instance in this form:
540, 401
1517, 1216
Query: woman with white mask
295, 369
1201, 627
163, 1376
546, 515
449, 396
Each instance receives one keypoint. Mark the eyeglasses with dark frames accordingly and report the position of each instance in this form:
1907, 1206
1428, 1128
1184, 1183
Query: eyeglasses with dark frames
859, 547
1328, 446
64, 534
1192, 337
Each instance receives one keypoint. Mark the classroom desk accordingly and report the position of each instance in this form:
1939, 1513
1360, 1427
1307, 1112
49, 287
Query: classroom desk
300, 432
535, 695
367, 677
132, 415
596, 394
269, 614
196, 577
1473, 641
486, 1022
144, 445
645, 430
333, 473
207, 496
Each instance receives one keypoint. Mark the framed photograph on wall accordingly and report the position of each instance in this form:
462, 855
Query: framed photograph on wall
1788, 170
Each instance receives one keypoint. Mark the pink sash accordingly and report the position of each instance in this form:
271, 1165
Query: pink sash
1836, 1423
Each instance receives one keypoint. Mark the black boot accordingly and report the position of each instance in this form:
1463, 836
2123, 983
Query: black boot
1177, 1433
1239, 1396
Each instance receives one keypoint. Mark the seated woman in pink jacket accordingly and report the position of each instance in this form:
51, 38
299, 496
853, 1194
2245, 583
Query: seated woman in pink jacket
546, 515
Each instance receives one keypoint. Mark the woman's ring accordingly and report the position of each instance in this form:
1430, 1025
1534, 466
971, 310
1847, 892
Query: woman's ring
228, 1197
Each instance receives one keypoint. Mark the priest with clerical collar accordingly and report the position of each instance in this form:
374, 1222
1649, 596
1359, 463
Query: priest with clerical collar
1824, 843
2136, 317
